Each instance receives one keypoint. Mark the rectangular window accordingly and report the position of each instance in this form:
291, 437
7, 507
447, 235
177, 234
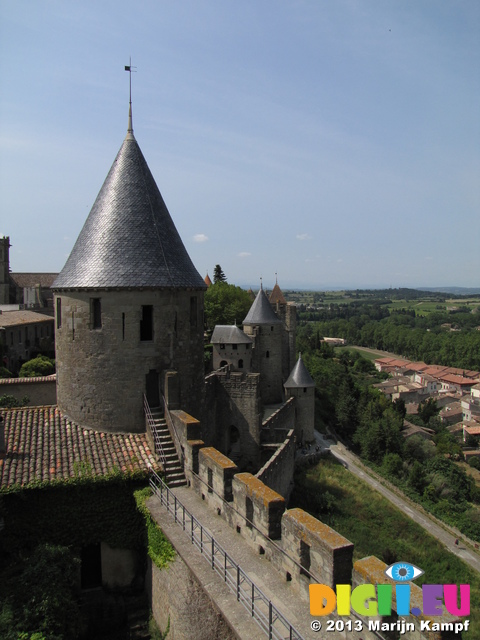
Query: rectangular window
59, 313
95, 313
193, 312
146, 323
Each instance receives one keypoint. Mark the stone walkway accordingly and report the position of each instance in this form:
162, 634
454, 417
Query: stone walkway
260, 571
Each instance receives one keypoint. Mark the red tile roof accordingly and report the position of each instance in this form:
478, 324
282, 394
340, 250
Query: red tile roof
42, 445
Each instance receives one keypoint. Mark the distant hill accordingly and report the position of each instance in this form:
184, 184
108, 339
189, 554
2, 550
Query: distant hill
456, 291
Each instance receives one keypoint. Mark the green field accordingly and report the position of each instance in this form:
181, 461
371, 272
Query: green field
377, 528
423, 304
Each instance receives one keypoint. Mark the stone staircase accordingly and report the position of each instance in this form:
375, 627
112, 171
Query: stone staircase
174, 475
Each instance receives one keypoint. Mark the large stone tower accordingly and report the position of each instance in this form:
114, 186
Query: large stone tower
129, 306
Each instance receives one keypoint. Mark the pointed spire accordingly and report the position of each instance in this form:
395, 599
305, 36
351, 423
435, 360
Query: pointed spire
130, 135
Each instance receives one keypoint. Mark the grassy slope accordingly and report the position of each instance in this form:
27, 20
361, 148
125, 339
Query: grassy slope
377, 528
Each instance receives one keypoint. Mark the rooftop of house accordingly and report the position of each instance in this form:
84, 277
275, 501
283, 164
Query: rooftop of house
23, 280
16, 318
33, 380
229, 334
454, 408
458, 380
472, 429
42, 445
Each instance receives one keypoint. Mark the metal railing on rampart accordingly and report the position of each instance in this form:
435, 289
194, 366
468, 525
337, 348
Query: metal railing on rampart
260, 608
151, 427
173, 430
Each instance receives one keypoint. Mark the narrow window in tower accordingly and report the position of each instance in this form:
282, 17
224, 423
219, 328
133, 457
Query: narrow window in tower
95, 313
73, 326
240, 364
193, 312
146, 323
59, 313
267, 355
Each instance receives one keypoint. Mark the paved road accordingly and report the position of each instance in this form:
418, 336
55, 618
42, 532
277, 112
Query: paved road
445, 534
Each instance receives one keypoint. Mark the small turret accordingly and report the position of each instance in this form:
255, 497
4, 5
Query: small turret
300, 385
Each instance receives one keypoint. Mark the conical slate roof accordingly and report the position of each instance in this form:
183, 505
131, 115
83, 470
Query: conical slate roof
129, 238
277, 295
261, 311
299, 376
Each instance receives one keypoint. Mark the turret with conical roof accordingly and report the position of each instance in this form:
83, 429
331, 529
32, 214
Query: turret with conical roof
129, 305
300, 385
266, 331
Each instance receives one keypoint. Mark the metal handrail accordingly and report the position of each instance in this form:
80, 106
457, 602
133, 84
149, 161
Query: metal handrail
173, 430
261, 609
152, 427
304, 571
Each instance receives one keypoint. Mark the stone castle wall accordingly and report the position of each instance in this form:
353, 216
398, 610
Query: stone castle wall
89, 358
39, 391
277, 472
304, 550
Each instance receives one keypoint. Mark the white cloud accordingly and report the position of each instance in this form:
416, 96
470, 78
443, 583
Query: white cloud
200, 237
303, 236
244, 254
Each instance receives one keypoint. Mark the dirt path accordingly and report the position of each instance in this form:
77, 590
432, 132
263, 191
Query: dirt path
444, 533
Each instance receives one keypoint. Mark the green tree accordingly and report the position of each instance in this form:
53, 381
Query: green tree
218, 275
417, 477
41, 601
39, 366
428, 410
393, 465
225, 304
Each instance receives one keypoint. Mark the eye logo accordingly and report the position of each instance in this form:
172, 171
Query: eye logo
403, 571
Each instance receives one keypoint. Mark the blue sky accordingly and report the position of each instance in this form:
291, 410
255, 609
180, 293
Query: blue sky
335, 142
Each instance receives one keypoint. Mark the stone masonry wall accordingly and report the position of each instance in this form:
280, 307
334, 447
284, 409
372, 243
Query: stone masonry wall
238, 405
371, 570
89, 358
279, 423
278, 472
181, 605
304, 550
39, 391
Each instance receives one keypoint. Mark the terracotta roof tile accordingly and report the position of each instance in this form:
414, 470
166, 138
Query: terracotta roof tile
43, 445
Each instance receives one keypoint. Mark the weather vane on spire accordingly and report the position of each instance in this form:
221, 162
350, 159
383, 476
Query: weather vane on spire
130, 70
